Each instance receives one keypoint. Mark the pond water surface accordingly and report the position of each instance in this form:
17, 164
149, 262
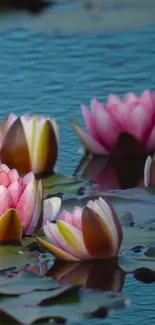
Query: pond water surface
53, 76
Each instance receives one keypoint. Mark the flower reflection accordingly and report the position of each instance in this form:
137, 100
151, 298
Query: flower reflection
104, 275
113, 173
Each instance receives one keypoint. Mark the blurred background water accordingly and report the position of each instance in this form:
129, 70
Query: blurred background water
53, 76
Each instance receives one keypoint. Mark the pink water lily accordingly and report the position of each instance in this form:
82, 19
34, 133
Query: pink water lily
90, 233
21, 204
134, 115
29, 143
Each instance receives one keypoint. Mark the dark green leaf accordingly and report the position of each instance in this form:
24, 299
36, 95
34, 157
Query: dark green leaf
89, 303
26, 282
150, 252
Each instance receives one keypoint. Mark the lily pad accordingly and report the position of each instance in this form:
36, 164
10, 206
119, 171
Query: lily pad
26, 282
129, 265
11, 256
134, 236
85, 306
64, 185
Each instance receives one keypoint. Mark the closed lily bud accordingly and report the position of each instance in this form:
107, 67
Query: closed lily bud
29, 143
149, 171
22, 210
90, 233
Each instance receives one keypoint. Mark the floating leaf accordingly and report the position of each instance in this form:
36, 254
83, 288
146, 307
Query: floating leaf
11, 256
130, 265
65, 185
48, 297
134, 236
26, 282
87, 304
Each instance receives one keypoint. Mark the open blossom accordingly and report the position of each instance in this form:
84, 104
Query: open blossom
134, 115
90, 233
149, 171
21, 204
29, 143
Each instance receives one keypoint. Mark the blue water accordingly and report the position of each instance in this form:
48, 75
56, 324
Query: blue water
53, 76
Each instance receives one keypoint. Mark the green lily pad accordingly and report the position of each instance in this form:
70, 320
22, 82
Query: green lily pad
129, 265
26, 282
47, 297
134, 236
11, 256
66, 185
84, 306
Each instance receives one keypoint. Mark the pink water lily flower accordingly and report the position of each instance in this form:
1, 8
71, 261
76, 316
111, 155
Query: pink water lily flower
21, 205
90, 233
134, 115
29, 143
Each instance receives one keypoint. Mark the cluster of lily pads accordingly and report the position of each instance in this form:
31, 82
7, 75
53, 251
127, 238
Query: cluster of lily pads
84, 238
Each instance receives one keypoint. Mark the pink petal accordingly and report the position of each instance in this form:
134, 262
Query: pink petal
151, 140
118, 111
88, 141
108, 129
75, 237
37, 211
131, 99
89, 120
28, 178
26, 205
5, 168
95, 105
113, 100
4, 179
66, 216
147, 99
139, 122
77, 217
13, 175
16, 189
52, 232
5, 200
